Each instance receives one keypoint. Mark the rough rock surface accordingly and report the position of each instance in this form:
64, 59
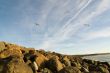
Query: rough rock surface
54, 64
70, 69
18, 59
16, 65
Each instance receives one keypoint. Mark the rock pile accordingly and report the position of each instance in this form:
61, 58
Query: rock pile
17, 59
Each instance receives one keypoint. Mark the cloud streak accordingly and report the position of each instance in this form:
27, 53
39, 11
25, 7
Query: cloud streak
75, 16
64, 31
102, 33
73, 25
61, 22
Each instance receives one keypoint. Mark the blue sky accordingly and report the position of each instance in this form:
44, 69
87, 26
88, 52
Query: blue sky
62, 25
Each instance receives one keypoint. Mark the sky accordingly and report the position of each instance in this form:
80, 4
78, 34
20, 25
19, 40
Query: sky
65, 26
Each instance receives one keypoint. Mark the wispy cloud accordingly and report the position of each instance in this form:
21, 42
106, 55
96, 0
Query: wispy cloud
102, 33
75, 15
76, 23
74, 26
67, 19
60, 21
64, 32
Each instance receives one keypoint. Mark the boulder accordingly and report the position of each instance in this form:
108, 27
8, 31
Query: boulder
94, 72
54, 64
76, 64
2, 46
70, 69
46, 70
106, 63
102, 69
11, 52
84, 70
16, 65
85, 65
75, 58
89, 61
40, 60
99, 68
92, 68
2, 65
66, 61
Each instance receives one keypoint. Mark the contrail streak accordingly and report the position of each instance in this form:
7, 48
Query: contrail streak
68, 22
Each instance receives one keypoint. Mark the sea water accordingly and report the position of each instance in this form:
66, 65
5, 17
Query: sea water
103, 58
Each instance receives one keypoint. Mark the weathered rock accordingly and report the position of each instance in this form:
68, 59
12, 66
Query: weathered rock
70, 69
85, 65
98, 69
75, 59
105, 63
92, 68
29, 56
84, 70
76, 64
2, 65
66, 61
46, 70
16, 65
94, 72
54, 64
102, 69
2, 46
33, 66
10, 52
17, 59
32, 51
89, 61
40, 60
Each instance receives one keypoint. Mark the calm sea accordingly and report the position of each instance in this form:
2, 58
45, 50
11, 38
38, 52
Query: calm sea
103, 58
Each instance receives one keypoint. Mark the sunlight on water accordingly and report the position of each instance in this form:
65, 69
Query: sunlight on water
105, 58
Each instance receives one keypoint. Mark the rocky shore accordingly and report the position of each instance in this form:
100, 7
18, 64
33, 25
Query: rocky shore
18, 59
